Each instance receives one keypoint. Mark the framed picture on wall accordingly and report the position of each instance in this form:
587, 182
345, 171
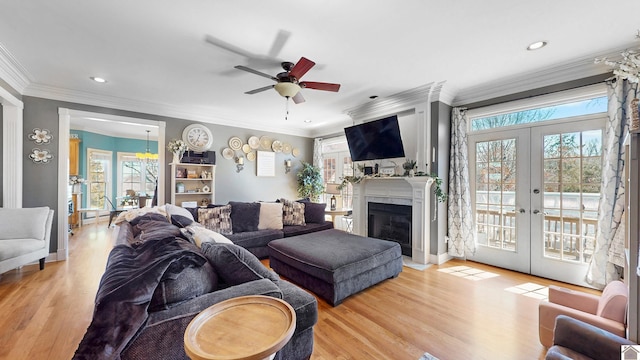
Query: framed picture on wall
266, 165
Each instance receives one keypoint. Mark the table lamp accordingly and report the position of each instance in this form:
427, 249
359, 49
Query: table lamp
333, 190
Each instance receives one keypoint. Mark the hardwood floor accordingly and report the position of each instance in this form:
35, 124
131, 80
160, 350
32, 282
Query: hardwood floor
44, 314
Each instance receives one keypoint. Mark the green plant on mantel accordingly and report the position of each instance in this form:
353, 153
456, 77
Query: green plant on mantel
310, 182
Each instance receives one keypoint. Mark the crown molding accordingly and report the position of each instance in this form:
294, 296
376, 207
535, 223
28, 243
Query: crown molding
553, 75
392, 104
12, 71
202, 114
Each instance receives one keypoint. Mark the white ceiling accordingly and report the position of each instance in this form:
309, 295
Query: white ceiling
156, 60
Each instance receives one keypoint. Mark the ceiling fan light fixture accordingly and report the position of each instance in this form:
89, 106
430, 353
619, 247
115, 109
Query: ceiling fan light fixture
287, 89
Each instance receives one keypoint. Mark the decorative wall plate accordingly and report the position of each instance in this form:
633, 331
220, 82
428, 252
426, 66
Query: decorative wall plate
40, 156
276, 146
254, 142
265, 142
235, 143
286, 148
295, 152
246, 148
41, 136
251, 156
227, 153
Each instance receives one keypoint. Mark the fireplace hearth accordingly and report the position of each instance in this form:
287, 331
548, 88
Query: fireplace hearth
391, 222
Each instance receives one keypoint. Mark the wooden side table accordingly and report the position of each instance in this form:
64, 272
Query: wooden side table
247, 327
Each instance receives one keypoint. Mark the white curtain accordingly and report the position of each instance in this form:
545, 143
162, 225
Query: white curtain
607, 261
317, 156
462, 239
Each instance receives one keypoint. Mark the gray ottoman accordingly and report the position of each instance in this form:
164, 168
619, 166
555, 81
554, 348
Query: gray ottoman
335, 264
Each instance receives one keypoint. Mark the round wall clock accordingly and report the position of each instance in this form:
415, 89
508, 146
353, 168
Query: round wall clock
198, 137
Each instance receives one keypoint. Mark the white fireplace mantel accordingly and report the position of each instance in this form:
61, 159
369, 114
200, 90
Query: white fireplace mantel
413, 191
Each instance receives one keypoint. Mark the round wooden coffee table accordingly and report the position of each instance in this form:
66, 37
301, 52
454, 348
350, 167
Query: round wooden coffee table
247, 327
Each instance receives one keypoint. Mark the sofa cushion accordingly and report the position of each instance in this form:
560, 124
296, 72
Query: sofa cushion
148, 216
188, 284
292, 212
217, 219
10, 249
253, 239
18, 223
306, 229
244, 216
235, 264
314, 212
270, 216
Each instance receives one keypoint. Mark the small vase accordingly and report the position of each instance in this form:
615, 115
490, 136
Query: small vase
177, 157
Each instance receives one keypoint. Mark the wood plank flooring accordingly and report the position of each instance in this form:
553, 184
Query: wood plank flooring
44, 314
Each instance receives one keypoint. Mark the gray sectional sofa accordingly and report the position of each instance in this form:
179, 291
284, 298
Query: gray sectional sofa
156, 282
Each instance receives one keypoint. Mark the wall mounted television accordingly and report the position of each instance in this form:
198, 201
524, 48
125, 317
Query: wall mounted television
375, 140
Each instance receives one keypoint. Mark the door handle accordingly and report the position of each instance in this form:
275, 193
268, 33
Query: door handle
522, 211
536, 212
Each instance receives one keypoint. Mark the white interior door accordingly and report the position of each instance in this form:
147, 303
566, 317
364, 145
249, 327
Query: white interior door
564, 198
500, 183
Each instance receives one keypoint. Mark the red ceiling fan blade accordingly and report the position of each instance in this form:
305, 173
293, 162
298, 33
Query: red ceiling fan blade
298, 98
320, 86
259, 73
301, 67
255, 91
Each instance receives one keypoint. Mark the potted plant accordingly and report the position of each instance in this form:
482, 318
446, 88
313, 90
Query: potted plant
310, 182
409, 166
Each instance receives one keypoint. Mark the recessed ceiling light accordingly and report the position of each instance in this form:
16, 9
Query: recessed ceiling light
537, 45
98, 79
372, 97
307, 121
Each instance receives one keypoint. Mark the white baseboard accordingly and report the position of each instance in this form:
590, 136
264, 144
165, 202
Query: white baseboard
439, 259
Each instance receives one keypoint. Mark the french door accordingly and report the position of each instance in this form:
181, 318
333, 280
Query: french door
536, 193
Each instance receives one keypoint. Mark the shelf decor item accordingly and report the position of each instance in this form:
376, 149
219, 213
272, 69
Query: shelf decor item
177, 147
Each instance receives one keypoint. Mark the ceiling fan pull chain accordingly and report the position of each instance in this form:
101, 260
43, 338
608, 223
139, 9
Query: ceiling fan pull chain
286, 116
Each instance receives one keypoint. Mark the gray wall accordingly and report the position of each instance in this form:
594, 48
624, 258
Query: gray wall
40, 187
440, 139
1, 157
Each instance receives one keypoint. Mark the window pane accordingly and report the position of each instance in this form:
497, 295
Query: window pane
578, 108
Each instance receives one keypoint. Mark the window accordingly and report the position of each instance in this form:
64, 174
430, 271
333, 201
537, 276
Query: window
583, 101
137, 175
99, 165
337, 164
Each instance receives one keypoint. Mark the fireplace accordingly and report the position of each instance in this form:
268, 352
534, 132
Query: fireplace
391, 222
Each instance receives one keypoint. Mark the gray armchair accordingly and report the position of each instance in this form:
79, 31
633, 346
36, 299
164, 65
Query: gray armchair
574, 339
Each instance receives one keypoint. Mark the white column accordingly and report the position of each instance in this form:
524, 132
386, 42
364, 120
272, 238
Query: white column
12, 141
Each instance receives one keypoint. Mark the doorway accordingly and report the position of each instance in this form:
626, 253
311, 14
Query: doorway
66, 117
535, 197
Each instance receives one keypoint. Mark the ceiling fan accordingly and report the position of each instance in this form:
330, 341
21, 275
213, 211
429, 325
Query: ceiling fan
288, 82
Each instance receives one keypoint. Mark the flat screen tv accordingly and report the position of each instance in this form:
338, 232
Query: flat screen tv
374, 140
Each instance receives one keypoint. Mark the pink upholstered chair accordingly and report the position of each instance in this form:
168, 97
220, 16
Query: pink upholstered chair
607, 312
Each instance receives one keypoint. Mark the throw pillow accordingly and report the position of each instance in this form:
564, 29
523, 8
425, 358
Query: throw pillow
314, 212
181, 221
244, 216
201, 235
292, 212
177, 210
217, 219
270, 216
235, 264
194, 212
